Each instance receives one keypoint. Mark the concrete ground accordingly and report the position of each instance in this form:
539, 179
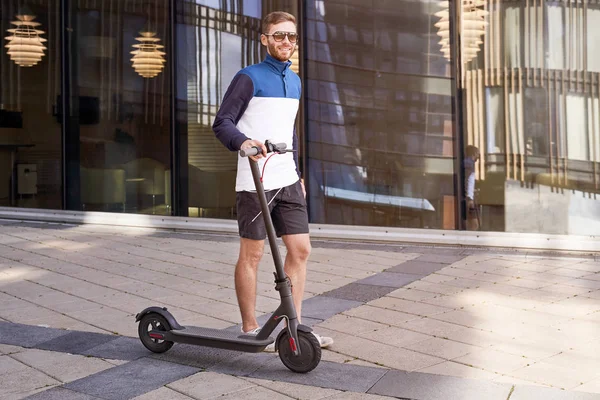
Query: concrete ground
413, 322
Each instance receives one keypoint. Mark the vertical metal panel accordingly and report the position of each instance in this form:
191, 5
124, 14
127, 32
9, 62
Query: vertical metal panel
550, 128
481, 112
456, 72
487, 48
541, 44
596, 130
506, 125
497, 42
528, 38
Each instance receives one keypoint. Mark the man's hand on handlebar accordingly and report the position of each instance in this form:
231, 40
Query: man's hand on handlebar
255, 143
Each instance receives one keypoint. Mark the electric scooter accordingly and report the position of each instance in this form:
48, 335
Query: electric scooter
298, 348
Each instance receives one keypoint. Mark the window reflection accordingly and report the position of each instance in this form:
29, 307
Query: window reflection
379, 111
531, 103
121, 106
219, 38
30, 131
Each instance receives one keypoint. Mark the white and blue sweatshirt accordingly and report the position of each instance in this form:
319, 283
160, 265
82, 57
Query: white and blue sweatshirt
261, 103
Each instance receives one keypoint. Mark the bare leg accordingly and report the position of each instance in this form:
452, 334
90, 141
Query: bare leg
298, 250
251, 251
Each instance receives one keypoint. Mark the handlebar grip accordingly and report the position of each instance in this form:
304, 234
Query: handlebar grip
271, 147
252, 151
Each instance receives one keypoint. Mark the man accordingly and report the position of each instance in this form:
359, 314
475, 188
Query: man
261, 103
471, 212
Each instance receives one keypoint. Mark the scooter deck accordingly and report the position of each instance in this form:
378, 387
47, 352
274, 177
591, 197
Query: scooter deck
217, 338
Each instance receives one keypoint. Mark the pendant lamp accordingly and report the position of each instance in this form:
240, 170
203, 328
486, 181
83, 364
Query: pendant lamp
473, 25
25, 46
148, 60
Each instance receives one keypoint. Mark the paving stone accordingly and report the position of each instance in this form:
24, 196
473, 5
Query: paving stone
255, 393
59, 393
359, 292
356, 326
204, 385
163, 393
131, 379
8, 349
383, 354
122, 348
244, 364
295, 391
22, 379
434, 250
392, 279
326, 375
495, 361
523, 392
9, 365
440, 258
76, 342
460, 371
442, 348
417, 267
554, 375
27, 335
64, 367
323, 307
417, 385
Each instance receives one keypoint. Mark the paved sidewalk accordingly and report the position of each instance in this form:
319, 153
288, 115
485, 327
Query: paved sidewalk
408, 321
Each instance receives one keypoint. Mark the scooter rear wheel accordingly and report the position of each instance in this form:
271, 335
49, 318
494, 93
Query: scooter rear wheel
310, 352
154, 322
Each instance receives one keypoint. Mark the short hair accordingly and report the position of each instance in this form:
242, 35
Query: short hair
275, 18
471, 151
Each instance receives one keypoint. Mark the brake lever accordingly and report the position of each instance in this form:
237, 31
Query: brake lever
273, 148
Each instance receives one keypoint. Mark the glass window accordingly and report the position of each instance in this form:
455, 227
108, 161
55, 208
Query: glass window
512, 36
216, 40
593, 33
538, 170
379, 111
555, 54
120, 97
30, 122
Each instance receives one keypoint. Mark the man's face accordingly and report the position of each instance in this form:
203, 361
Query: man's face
284, 49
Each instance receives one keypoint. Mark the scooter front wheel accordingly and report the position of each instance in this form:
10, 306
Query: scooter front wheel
154, 322
310, 350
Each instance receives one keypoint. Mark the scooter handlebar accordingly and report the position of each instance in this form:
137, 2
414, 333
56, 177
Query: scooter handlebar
252, 151
271, 147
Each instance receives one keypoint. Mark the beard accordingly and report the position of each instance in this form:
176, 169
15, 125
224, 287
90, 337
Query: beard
275, 50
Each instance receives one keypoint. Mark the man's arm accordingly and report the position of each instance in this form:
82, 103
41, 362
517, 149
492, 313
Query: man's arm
235, 102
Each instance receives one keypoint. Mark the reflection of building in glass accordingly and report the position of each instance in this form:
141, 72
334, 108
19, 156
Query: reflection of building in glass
472, 21
380, 127
221, 39
379, 115
532, 108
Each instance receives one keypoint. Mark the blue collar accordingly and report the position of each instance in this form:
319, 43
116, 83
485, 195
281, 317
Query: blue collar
279, 66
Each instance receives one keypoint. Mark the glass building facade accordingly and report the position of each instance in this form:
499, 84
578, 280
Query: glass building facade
396, 95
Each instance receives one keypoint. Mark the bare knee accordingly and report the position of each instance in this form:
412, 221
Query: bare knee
300, 252
251, 252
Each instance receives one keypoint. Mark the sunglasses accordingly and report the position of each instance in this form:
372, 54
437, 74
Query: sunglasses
279, 36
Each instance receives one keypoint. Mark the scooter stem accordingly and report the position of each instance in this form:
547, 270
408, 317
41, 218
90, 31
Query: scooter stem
283, 285
280, 273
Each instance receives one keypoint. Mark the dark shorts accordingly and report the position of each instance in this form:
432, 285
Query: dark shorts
288, 212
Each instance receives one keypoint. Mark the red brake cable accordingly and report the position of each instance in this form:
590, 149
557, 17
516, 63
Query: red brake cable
264, 165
